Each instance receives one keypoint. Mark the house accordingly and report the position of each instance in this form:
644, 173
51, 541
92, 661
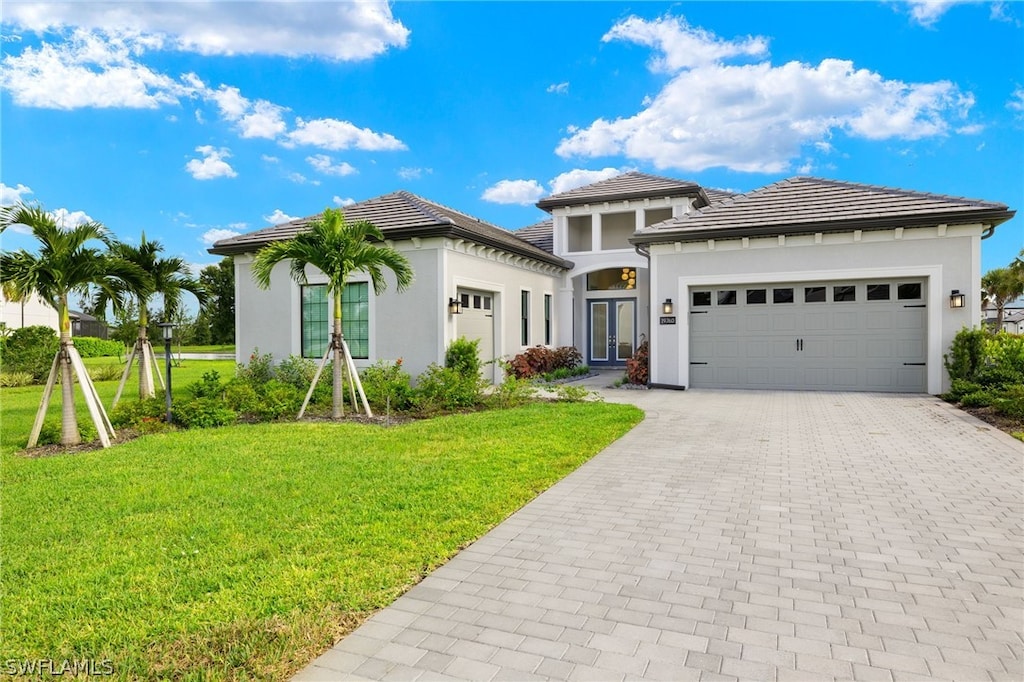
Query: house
30, 312
806, 283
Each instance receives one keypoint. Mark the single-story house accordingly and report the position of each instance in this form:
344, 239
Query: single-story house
806, 283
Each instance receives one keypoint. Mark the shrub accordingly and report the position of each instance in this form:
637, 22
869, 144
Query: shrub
996, 375
259, 371
203, 413
567, 357
637, 367
445, 388
297, 371
30, 350
966, 354
209, 386
566, 373
1005, 353
16, 379
276, 400
976, 399
571, 393
92, 347
106, 372
512, 392
960, 388
241, 397
1010, 402
136, 413
384, 382
49, 434
542, 360
463, 355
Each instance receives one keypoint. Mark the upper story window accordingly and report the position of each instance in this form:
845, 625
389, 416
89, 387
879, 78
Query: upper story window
581, 234
656, 215
616, 229
611, 279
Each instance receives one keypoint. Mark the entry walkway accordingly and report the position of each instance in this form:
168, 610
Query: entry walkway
737, 535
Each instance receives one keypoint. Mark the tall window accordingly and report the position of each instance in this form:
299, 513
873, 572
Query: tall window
547, 319
524, 304
355, 319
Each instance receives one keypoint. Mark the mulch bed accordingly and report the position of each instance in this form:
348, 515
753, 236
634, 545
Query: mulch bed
1000, 421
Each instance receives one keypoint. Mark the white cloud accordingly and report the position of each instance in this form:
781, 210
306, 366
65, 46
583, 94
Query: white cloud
559, 88
13, 195
972, 129
215, 235
69, 219
323, 163
580, 177
345, 31
413, 173
278, 217
758, 117
259, 119
682, 46
88, 70
1016, 102
329, 133
212, 165
300, 179
927, 12
270, 159
338, 201
523, 192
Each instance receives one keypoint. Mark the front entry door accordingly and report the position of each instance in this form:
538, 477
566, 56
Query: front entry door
612, 331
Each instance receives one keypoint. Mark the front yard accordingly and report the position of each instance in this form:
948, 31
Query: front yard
243, 552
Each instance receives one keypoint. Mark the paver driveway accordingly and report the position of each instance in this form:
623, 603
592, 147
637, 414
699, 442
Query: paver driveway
738, 535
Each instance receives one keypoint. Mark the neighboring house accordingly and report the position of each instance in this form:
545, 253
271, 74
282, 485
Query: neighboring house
806, 283
83, 324
1013, 319
30, 312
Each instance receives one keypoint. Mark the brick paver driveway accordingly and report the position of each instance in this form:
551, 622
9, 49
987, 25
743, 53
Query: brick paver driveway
738, 535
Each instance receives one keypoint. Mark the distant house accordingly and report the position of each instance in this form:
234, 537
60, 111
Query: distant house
805, 284
30, 312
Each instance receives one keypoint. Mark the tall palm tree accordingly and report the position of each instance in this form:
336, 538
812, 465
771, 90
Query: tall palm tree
169, 278
338, 249
1001, 286
64, 265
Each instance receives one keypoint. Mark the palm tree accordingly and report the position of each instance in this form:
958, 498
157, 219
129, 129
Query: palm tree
338, 249
64, 265
169, 278
9, 290
1000, 287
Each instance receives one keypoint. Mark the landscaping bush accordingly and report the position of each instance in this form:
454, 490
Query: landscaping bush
543, 361
297, 371
209, 386
981, 398
16, 379
567, 357
960, 388
203, 413
136, 413
241, 397
30, 350
1010, 402
277, 400
463, 355
570, 393
445, 388
106, 372
637, 367
966, 354
259, 370
384, 382
49, 434
92, 347
512, 392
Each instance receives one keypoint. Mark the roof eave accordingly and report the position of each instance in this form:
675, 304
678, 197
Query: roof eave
552, 202
991, 218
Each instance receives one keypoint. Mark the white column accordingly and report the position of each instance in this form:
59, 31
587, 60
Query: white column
595, 227
559, 236
641, 218
564, 313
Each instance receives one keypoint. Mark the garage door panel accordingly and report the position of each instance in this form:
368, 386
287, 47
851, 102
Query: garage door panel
823, 344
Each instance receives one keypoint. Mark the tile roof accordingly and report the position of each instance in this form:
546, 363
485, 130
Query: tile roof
400, 215
806, 204
539, 234
631, 185
718, 195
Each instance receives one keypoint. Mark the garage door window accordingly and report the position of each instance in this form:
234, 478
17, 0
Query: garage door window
727, 297
909, 292
844, 293
701, 298
757, 296
878, 292
814, 294
782, 295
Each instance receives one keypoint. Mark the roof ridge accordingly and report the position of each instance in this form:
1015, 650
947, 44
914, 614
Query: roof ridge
423, 206
898, 191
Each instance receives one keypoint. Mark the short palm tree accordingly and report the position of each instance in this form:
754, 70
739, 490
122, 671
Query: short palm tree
65, 264
337, 248
1000, 287
169, 278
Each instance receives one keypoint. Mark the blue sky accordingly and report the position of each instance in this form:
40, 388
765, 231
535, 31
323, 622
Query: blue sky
194, 121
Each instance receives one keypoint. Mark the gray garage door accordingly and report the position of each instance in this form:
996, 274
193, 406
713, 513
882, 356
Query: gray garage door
477, 322
846, 336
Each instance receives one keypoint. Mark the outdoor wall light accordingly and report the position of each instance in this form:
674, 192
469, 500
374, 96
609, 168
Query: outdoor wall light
666, 307
956, 299
454, 306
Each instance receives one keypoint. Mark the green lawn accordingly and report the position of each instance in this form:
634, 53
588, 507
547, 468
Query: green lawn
242, 552
228, 348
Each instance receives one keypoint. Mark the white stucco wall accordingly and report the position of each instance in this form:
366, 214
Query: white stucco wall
34, 312
947, 257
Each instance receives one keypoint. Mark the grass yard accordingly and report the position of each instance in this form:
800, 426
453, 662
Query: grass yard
223, 348
244, 552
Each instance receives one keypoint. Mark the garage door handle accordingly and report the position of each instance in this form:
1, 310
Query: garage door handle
698, 363
799, 344
915, 364
698, 312
922, 305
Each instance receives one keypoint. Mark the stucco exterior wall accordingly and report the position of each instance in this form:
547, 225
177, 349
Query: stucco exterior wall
34, 312
948, 257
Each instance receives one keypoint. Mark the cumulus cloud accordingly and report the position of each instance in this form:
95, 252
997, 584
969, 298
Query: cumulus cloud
338, 201
13, 195
70, 219
210, 237
579, 177
278, 217
330, 133
928, 12
323, 163
413, 173
211, 165
559, 88
254, 119
1016, 102
757, 117
300, 179
345, 31
270, 159
522, 192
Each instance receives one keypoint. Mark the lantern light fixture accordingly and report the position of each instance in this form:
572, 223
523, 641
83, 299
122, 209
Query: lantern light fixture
666, 307
956, 299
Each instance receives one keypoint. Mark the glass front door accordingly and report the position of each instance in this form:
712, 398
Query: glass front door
612, 330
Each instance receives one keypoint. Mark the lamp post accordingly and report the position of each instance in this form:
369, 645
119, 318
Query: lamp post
168, 331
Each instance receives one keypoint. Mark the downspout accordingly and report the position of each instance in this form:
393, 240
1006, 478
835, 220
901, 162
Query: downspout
989, 231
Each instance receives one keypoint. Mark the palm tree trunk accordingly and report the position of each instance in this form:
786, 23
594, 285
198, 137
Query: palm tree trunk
337, 388
69, 434
146, 389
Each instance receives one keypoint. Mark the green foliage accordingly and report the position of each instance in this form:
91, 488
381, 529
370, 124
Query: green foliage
966, 354
1010, 401
49, 434
463, 355
92, 347
572, 393
445, 388
260, 369
566, 373
277, 400
960, 388
209, 386
1006, 352
15, 379
106, 372
512, 392
296, 371
241, 397
203, 413
215, 322
387, 384
981, 398
30, 350
136, 413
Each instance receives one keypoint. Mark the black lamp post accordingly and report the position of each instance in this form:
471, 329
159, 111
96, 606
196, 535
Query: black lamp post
168, 331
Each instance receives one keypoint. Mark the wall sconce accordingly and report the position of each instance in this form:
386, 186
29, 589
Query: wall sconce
956, 299
666, 307
454, 306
